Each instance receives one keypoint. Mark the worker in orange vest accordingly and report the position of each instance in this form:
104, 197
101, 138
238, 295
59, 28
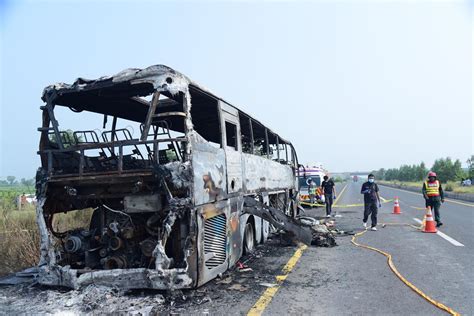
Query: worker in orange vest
434, 195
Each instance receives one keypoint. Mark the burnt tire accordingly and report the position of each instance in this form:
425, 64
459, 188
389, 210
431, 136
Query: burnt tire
249, 239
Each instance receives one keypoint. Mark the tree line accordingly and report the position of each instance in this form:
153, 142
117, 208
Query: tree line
12, 181
445, 168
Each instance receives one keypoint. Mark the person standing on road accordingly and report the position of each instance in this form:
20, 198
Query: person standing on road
311, 191
370, 190
434, 195
329, 191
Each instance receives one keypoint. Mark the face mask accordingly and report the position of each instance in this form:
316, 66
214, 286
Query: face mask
371, 180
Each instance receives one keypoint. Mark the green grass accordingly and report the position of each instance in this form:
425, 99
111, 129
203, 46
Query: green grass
19, 239
72, 220
9, 196
16, 189
19, 235
448, 187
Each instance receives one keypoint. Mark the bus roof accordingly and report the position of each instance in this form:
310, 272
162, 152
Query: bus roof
118, 94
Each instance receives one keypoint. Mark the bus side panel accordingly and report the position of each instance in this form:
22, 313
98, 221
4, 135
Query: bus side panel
208, 165
262, 174
236, 229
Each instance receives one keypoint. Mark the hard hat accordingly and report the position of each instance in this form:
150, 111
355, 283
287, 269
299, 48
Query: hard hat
431, 174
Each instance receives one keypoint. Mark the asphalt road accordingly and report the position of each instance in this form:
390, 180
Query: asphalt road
348, 280
343, 280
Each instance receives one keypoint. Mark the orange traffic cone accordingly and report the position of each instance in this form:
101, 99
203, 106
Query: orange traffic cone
396, 206
430, 226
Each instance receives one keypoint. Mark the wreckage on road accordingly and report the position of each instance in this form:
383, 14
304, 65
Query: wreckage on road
168, 204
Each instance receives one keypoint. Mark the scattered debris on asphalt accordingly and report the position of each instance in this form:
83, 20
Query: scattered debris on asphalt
329, 223
249, 275
268, 284
322, 236
238, 287
26, 276
242, 267
93, 298
226, 280
264, 263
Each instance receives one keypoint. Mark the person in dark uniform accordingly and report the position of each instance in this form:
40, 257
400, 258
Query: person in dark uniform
370, 190
434, 195
329, 191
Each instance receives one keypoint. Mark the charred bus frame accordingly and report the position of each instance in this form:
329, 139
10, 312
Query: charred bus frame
169, 205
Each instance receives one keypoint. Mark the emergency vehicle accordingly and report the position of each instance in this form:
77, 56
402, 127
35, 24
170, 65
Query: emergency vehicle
305, 174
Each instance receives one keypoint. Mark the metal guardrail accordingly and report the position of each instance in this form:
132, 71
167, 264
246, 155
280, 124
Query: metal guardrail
451, 195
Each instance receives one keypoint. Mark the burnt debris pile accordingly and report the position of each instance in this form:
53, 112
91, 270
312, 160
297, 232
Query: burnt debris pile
302, 229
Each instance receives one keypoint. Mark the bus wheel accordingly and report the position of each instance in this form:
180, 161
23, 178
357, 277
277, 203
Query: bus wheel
249, 239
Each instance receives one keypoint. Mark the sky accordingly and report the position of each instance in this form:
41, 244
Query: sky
354, 85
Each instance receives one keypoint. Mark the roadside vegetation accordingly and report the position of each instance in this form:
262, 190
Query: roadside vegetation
19, 235
338, 180
449, 172
450, 186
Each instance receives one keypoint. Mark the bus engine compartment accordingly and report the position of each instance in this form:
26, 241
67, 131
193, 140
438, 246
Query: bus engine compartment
114, 240
139, 235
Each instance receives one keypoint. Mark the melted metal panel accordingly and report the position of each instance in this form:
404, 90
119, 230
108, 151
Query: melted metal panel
208, 165
264, 174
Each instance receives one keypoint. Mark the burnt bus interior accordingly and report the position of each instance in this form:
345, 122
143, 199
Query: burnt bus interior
115, 149
260, 141
116, 168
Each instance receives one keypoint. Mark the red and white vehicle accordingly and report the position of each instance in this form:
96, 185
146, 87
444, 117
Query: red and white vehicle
315, 173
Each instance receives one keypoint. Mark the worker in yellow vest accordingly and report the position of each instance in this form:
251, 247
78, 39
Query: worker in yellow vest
434, 195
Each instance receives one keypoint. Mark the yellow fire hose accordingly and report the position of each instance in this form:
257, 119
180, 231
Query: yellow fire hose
395, 271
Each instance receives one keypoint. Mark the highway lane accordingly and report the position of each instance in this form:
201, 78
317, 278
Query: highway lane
450, 267
457, 216
348, 280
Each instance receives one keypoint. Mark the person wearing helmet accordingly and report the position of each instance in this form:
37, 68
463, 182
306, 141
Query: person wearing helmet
434, 195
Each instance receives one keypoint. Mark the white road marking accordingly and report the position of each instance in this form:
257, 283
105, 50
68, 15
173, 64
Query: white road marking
441, 234
419, 221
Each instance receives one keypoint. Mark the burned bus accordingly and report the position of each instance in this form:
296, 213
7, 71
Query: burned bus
164, 172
